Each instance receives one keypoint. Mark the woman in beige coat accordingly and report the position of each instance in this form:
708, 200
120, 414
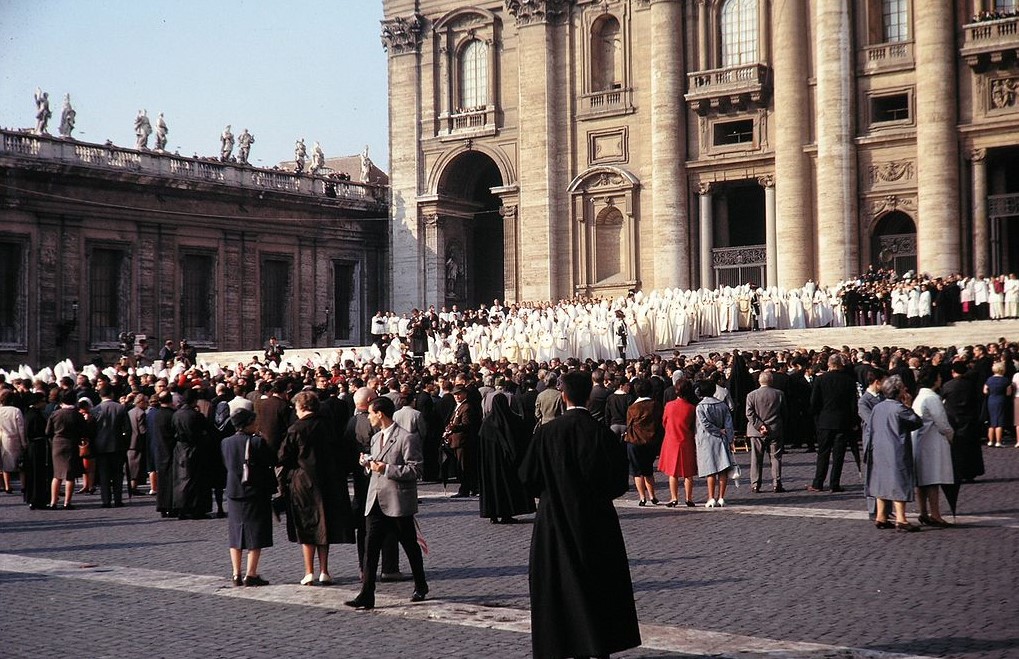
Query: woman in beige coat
12, 437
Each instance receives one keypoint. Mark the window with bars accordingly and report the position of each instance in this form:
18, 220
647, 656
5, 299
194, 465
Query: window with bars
276, 296
894, 21
198, 298
107, 295
739, 32
12, 294
606, 55
473, 76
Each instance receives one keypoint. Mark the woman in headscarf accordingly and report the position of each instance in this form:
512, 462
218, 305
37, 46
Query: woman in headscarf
889, 447
502, 441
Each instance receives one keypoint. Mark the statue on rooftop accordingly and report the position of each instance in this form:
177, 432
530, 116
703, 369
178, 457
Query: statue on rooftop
161, 131
42, 111
366, 165
318, 159
142, 129
300, 154
226, 141
67, 117
244, 142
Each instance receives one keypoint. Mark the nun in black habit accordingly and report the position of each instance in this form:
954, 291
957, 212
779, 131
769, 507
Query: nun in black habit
502, 441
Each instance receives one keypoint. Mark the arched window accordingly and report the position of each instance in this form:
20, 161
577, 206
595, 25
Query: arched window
894, 23
608, 238
606, 54
473, 75
739, 32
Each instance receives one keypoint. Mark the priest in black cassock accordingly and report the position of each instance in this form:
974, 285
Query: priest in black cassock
502, 442
581, 594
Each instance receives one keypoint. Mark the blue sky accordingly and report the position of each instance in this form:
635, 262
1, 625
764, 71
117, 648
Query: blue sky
282, 69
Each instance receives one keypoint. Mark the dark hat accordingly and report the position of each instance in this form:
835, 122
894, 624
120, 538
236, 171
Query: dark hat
241, 417
459, 389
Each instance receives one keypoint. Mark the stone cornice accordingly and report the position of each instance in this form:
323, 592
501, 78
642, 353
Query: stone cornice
403, 34
528, 12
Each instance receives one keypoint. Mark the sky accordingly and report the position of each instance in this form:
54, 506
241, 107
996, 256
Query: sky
282, 69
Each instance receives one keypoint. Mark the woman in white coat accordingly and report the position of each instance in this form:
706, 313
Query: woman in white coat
12, 437
932, 449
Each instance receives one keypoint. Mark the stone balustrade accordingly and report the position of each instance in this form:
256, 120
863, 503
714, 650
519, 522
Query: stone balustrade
48, 149
470, 122
745, 85
885, 57
606, 102
991, 43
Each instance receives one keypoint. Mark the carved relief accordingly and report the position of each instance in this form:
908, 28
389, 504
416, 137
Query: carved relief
402, 35
892, 171
1003, 93
604, 180
891, 203
766, 181
537, 11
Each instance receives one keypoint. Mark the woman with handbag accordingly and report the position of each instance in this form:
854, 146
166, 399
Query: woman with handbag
643, 435
250, 484
88, 465
713, 439
67, 430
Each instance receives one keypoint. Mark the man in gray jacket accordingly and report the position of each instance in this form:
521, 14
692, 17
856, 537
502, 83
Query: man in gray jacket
110, 446
392, 501
765, 427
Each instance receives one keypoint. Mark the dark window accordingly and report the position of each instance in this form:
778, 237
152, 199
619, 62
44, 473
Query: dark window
198, 298
107, 295
734, 132
343, 302
889, 108
276, 295
12, 295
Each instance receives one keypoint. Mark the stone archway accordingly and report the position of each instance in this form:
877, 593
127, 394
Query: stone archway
471, 242
893, 242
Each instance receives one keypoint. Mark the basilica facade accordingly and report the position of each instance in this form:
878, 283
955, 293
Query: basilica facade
542, 149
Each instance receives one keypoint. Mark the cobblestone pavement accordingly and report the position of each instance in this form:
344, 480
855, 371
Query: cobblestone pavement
777, 575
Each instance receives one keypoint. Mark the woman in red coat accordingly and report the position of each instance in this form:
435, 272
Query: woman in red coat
678, 458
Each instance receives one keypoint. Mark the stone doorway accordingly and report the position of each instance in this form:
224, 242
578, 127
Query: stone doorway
471, 243
738, 236
894, 243
1003, 210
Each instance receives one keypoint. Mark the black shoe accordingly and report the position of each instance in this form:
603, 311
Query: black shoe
69, 506
419, 595
690, 504
654, 501
106, 505
255, 581
238, 580
779, 489
642, 503
361, 602
118, 504
837, 488
755, 488
221, 514
672, 504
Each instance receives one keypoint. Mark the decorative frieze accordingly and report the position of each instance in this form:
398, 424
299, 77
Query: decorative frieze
891, 203
891, 171
527, 12
402, 35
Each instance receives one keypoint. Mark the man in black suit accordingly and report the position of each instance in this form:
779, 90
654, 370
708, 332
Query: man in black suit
596, 403
833, 402
962, 407
580, 588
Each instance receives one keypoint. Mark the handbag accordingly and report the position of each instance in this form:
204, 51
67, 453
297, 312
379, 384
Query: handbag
84, 449
246, 469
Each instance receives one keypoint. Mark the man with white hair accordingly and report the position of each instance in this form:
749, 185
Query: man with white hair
765, 427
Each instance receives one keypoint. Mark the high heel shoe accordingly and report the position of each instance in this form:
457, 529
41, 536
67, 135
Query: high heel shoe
885, 524
924, 520
911, 528
672, 504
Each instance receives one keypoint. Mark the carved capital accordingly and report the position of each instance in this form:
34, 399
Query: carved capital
528, 12
508, 212
766, 181
402, 35
704, 188
431, 220
977, 155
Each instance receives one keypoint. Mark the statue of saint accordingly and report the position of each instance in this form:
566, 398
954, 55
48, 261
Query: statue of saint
226, 141
161, 131
300, 154
244, 142
366, 166
318, 159
42, 111
142, 129
452, 274
67, 117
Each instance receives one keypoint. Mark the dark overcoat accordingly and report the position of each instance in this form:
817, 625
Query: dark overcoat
581, 593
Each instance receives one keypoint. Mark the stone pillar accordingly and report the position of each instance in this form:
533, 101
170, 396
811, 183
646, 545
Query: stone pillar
703, 49
707, 229
981, 224
794, 230
401, 37
770, 231
670, 220
838, 245
434, 279
543, 158
937, 227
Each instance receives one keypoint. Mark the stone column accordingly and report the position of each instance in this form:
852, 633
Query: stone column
434, 259
543, 214
937, 227
981, 224
670, 220
838, 245
707, 229
770, 231
702, 35
401, 37
790, 125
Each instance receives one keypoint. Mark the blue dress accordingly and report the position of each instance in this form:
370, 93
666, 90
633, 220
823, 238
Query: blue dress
996, 397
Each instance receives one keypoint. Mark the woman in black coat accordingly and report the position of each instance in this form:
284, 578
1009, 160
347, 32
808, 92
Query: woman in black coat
502, 441
314, 469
